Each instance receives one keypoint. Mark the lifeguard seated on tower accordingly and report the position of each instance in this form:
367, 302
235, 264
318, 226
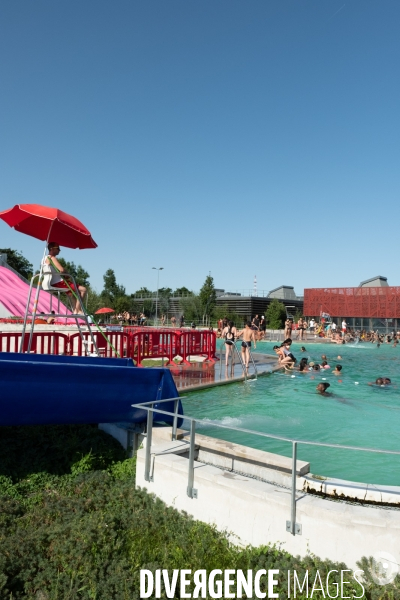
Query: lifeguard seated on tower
51, 266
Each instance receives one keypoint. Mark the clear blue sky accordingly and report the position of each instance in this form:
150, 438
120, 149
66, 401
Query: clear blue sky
237, 137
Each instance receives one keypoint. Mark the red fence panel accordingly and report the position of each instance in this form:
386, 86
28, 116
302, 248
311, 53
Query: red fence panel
154, 343
43, 342
120, 344
198, 343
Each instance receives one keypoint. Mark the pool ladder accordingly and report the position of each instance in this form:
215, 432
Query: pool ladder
238, 354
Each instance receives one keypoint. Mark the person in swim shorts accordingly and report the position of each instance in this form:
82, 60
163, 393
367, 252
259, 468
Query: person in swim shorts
59, 282
248, 338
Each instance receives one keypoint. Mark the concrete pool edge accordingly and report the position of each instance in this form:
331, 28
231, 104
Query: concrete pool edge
264, 362
254, 511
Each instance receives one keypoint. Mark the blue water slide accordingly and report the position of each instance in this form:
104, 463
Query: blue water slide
39, 389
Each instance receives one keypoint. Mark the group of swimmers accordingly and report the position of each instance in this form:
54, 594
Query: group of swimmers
289, 362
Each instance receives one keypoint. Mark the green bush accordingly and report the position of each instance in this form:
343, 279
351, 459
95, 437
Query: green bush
73, 526
275, 315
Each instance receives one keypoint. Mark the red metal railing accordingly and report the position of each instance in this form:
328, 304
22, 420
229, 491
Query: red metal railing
195, 343
138, 343
153, 343
52, 342
119, 344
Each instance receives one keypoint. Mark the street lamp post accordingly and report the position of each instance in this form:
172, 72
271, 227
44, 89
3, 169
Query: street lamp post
158, 269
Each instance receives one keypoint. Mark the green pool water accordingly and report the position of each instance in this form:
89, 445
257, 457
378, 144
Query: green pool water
279, 404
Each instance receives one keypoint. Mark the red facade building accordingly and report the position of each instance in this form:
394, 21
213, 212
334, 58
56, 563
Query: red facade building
372, 302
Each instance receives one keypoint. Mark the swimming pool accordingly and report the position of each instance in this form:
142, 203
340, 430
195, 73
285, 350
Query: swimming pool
280, 404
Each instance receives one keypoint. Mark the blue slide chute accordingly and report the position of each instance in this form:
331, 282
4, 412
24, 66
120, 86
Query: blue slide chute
40, 389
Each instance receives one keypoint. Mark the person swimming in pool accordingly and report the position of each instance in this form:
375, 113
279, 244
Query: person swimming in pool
381, 382
303, 366
324, 365
322, 387
337, 370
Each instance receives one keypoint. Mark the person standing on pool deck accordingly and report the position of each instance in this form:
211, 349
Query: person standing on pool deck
288, 328
312, 326
300, 329
229, 333
248, 337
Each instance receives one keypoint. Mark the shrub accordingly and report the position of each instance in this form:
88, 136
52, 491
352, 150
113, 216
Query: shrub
78, 529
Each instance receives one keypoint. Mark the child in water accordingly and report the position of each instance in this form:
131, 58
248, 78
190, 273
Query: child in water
322, 387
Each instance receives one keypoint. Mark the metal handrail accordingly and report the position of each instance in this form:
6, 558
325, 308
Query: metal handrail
291, 526
260, 433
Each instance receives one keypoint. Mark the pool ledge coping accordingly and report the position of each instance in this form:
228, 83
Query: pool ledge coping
275, 469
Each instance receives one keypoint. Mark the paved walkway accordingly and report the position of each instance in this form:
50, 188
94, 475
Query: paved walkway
201, 375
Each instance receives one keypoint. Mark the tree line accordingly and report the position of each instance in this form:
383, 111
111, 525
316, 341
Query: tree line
200, 308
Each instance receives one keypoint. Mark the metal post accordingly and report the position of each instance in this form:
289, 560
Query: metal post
175, 423
158, 269
294, 465
291, 526
21, 347
149, 432
191, 492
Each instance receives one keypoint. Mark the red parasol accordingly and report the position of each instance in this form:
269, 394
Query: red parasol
103, 311
49, 224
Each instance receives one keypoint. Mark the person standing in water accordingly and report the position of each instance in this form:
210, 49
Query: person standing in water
248, 338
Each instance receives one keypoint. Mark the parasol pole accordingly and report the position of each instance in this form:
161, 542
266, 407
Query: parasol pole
35, 304
21, 348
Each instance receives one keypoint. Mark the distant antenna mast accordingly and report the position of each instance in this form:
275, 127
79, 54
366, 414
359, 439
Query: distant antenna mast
255, 286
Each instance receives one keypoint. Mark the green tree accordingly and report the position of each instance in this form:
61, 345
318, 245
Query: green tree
18, 262
143, 304
78, 272
164, 292
208, 297
94, 302
222, 312
143, 292
122, 303
275, 315
112, 290
297, 315
192, 308
183, 291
